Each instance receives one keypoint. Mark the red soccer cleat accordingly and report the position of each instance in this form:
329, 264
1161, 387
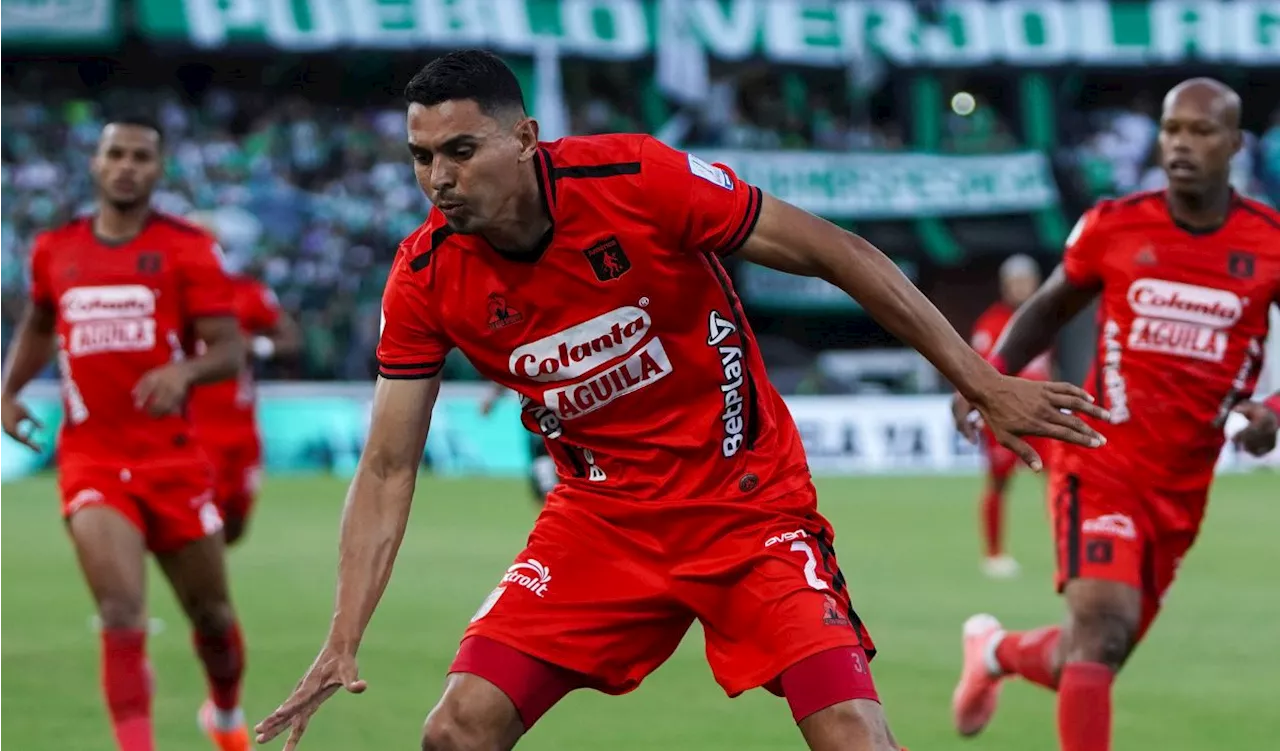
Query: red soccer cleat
974, 701
236, 739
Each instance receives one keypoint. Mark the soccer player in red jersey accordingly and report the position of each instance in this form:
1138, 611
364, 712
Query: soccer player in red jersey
1186, 276
585, 275
224, 412
1019, 278
118, 297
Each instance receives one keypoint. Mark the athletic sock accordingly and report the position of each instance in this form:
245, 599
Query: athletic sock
1028, 654
1084, 707
126, 682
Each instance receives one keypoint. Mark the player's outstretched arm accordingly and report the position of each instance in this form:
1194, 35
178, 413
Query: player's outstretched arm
31, 350
373, 524
1030, 332
789, 239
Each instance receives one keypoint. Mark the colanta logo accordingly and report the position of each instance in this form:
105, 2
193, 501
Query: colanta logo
576, 351
1191, 303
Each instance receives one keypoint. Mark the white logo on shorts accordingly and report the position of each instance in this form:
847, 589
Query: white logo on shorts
84, 498
488, 604
1112, 525
530, 574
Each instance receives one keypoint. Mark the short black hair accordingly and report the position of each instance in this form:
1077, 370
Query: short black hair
467, 74
138, 121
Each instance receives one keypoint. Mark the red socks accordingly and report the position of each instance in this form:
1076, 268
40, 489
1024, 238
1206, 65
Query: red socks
223, 658
1084, 707
126, 681
1030, 654
993, 522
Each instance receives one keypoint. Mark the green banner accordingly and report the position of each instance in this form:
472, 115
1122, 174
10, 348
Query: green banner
889, 186
964, 33
62, 24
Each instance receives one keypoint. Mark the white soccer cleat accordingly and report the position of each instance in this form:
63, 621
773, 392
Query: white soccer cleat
1000, 567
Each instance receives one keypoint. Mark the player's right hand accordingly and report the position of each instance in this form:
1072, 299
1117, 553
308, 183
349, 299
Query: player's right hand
1015, 407
18, 422
332, 670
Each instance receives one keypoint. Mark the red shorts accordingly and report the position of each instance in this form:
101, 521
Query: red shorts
172, 505
1001, 462
1107, 528
611, 600
237, 473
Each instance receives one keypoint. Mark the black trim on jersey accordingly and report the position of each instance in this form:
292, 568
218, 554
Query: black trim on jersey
1233, 202
838, 583
409, 371
545, 172
573, 455
590, 171
423, 259
1073, 526
1261, 214
747, 225
751, 408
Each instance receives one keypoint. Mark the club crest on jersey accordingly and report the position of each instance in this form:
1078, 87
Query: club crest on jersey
149, 263
607, 259
500, 313
1240, 264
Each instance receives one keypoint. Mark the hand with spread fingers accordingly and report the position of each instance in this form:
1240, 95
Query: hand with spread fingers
333, 669
1014, 407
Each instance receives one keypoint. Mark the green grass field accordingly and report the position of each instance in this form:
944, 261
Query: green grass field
1205, 679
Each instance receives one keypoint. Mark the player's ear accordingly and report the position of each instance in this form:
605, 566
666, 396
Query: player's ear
527, 134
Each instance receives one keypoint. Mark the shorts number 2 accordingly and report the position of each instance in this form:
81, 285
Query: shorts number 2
810, 564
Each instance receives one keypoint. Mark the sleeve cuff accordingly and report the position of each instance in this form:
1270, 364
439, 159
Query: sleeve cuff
747, 225
409, 371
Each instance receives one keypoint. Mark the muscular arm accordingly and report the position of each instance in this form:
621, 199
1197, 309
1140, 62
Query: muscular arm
1036, 324
224, 351
377, 507
31, 349
791, 240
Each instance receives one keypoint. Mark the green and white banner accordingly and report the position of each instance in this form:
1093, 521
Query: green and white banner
59, 23
890, 186
965, 33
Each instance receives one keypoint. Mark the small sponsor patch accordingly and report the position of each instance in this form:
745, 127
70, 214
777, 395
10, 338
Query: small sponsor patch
710, 173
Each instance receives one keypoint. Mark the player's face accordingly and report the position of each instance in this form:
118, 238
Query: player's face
1019, 288
467, 161
1196, 143
127, 165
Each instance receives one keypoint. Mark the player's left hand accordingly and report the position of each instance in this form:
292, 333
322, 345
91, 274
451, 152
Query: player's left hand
1259, 436
163, 390
1015, 407
331, 671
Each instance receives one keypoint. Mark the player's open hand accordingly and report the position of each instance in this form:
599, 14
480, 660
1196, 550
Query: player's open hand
331, 671
1015, 407
1258, 437
18, 422
162, 391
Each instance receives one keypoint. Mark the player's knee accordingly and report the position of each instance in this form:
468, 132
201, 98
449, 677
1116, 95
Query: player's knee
122, 612
857, 725
452, 727
213, 616
1103, 635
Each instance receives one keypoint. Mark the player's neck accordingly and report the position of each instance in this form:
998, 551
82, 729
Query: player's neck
527, 223
1200, 210
114, 224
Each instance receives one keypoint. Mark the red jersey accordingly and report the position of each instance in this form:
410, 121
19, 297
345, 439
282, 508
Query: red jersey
1182, 321
123, 310
623, 335
986, 332
226, 408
